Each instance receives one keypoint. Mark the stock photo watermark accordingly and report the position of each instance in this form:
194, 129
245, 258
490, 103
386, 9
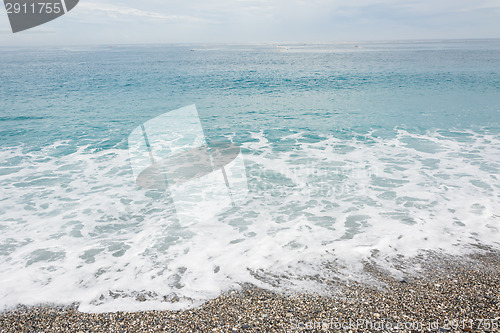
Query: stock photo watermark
27, 14
170, 153
385, 325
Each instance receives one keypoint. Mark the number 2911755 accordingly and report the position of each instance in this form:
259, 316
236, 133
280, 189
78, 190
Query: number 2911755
34, 8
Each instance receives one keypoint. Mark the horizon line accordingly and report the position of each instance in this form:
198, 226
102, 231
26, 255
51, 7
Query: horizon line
423, 40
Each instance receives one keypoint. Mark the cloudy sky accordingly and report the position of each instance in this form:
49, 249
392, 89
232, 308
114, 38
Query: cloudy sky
174, 21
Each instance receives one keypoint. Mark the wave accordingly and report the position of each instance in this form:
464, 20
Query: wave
21, 118
76, 228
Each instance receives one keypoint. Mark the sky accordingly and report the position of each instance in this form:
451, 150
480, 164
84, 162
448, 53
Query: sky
247, 21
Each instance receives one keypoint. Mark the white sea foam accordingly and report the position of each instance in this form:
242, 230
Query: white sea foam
77, 228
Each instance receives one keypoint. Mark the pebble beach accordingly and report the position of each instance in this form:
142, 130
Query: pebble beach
448, 294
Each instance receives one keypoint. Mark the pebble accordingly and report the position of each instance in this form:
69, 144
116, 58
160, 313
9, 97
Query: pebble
461, 295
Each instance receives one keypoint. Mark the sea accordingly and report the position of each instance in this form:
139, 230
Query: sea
352, 154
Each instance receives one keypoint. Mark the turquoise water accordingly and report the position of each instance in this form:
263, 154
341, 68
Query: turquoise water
349, 149
96, 95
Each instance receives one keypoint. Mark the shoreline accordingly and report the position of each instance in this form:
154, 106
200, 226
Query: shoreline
449, 294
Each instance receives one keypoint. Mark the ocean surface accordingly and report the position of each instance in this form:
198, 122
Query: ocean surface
353, 153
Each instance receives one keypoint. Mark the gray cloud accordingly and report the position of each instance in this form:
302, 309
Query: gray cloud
114, 11
128, 21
